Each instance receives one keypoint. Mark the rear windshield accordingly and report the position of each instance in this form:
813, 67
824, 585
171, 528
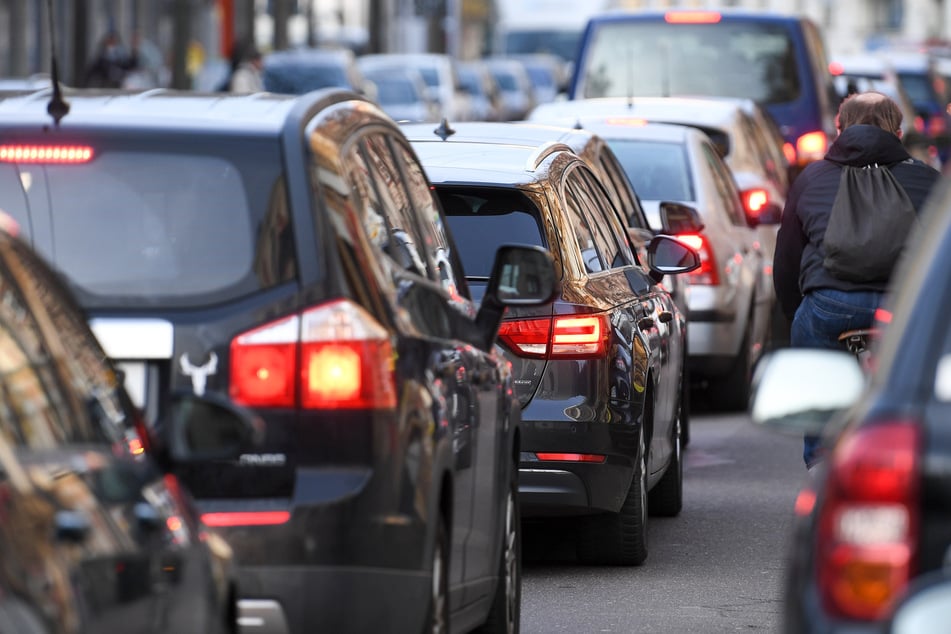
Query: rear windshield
728, 59
184, 228
658, 170
296, 79
482, 223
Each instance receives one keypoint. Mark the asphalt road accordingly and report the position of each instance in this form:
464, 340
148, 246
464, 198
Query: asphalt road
716, 568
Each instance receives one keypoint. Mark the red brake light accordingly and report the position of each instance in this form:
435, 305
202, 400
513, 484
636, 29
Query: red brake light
572, 457
811, 146
45, 153
835, 68
868, 524
247, 518
335, 355
692, 17
936, 124
707, 272
754, 200
919, 124
564, 337
789, 152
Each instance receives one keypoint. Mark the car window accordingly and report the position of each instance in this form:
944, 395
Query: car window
726, 190
435, 241
388, 216
630, 206
755, 60
602, 218
485, 220
658, 170
577, 207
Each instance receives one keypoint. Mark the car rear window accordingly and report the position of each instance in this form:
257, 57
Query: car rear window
296, 79
754, 60
658, 170
135, 227
484, 222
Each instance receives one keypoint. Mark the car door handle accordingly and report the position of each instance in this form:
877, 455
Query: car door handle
666, 317
645, 323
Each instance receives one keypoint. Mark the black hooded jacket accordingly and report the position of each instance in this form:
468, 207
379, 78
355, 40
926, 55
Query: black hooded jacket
797, 263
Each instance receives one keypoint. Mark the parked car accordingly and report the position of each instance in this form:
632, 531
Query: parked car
96, 533
296, 71
598, 373
873, 516
439, 72
746, 138
774, 59
289, 253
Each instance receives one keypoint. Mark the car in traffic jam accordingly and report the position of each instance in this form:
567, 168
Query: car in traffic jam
332, 354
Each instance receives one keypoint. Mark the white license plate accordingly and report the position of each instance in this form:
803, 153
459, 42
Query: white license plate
135, 380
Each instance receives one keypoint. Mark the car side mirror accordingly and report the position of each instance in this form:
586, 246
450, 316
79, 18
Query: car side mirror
677, 218
669, 256
208, 428
521, 276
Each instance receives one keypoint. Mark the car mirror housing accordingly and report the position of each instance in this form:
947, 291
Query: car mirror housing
667, 255
677, 218
800, 390
208, 427
521, 276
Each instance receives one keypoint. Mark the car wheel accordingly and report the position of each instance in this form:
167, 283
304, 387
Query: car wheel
438, 619
619, 538
666, 498
732, 392
505, 613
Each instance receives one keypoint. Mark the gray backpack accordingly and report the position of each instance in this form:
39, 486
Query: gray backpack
870, 220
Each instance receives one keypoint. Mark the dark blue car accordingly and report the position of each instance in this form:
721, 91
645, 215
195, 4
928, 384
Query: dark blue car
776, 60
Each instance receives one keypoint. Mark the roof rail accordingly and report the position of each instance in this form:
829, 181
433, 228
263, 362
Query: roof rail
544, 152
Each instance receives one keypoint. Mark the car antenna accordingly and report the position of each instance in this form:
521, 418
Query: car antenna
444, 131
57, 107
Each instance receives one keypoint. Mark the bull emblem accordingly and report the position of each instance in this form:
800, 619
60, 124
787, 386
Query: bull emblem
199, 373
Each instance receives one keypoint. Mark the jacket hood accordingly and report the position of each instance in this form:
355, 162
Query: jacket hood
861, 145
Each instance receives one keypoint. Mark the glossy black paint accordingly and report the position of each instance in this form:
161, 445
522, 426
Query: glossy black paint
94, 536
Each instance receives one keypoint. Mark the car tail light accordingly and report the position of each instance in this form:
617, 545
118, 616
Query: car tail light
754, 200
572, 457
868, 523
692, 17
836, 68
811, 146
332, 356
920, 124
45, 153
246, 518
789, 152
561, 337
707, 272
936, 125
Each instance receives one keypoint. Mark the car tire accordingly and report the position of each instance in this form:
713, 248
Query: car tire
437, 621
667, 497
505, 612
619, 538
732, 392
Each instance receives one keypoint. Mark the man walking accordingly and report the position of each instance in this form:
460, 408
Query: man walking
820, 304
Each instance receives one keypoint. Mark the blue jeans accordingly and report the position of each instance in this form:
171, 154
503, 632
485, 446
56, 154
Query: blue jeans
822, 316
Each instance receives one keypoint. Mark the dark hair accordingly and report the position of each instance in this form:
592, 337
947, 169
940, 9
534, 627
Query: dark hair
243, 51
869, 108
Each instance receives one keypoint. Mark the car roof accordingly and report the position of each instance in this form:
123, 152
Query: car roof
719, 112
513, 133
153, 110
725, 15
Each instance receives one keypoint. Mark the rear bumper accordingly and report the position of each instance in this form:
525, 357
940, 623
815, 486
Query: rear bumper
303, 599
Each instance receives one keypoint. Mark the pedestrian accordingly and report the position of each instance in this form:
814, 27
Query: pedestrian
820, 304
245, 75
111, 63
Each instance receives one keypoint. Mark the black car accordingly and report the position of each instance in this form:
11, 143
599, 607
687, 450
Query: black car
874, 517
289, 253
599, 373
96, 533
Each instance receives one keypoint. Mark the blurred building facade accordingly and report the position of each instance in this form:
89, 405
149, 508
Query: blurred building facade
179, 35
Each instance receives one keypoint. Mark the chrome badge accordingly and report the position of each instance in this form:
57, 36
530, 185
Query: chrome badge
199, 373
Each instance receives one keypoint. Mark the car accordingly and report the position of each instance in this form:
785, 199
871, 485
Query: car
730, 298
516, 90
403, 95
871, 520
598, 374
300, 70
96, 532
918, 75
439, 72
744, 134
775, 59
483, 91
287, 252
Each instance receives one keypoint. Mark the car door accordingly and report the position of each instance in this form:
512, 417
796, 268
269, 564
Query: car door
488, 415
